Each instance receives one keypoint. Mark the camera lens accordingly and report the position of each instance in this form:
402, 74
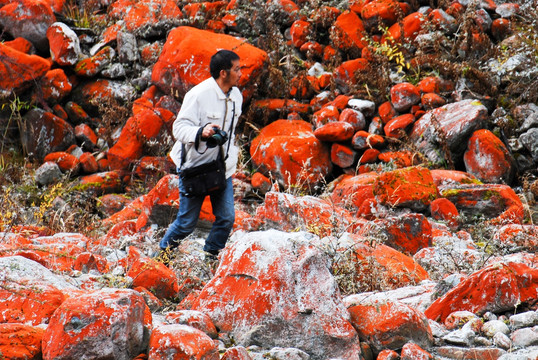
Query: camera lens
218, 138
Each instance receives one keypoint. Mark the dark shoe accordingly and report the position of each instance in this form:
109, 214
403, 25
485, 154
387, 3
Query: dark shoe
165, 256
211, 255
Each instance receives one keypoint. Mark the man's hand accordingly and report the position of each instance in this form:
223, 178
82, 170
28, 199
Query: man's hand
208, 130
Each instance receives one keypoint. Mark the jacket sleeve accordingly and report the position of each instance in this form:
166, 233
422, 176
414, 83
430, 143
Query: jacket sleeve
187, 121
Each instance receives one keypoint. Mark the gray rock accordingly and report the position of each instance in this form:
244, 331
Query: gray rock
529, 140
451, 125
48, 173
127, 48
279, 353
525, 319
528, 115
366, 107
525, 337
462, 337
502, 340
493, 327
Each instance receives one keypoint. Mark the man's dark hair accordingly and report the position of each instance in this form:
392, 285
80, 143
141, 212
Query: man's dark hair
221, 60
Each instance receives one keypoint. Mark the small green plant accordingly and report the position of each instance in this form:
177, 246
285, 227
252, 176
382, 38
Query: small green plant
16, 108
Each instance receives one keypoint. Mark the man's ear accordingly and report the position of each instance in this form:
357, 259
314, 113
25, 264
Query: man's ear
223, 74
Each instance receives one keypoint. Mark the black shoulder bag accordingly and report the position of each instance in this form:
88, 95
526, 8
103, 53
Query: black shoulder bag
206, 178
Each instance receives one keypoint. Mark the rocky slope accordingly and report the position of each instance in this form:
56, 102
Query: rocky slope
385, 193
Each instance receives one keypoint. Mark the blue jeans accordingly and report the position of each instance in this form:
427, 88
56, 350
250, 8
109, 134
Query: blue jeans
222, 203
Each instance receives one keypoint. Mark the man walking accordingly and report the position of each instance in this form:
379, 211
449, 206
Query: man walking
209, 108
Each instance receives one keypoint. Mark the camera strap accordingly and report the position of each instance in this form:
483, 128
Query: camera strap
199, 136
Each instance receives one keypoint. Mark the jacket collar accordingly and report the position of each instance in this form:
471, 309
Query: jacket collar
221, 95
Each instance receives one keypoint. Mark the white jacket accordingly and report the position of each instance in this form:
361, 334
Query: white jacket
203, 104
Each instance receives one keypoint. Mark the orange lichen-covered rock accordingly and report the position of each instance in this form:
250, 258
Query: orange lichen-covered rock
412, 351
397, 126
497, 202
29, 292
102, 183
444, 210
387, 111
184, 61
178, 342
153, 275
300, 32
517, 236
488, 158
379, 265
342, 155
64, 44
403, 96
364, 140
382, 12
408, 187
337, 131
28, 19
93, 65
401, 159
147, 17
445, 177
353, 117
431, 101
20, 44
345, 73
501, 28
389, 325
138, 130
408, 30
407, 233
288, 212
351, 191
257, 274
236, 353
88, 163
55, 86
196, 319
108, 323
65, 161
293, 155
496, 288
328, 113
20, 341
347, 33
19, 69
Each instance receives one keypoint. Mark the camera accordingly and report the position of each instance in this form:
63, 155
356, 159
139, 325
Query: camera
218, 138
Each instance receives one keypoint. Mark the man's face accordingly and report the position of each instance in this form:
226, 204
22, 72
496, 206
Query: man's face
231, 77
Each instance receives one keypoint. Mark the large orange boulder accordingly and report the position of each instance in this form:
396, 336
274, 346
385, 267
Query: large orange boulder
496, 202
496, 288
288, 212
29, 292
488, 158
378, 266
407, 233
20, 341
411, 187
19, 69
256, 298
289, 151
103, 324
390, 324
351, 191
152, 275
184, 60
28, 19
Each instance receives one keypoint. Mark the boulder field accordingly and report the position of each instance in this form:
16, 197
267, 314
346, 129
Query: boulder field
384, 197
